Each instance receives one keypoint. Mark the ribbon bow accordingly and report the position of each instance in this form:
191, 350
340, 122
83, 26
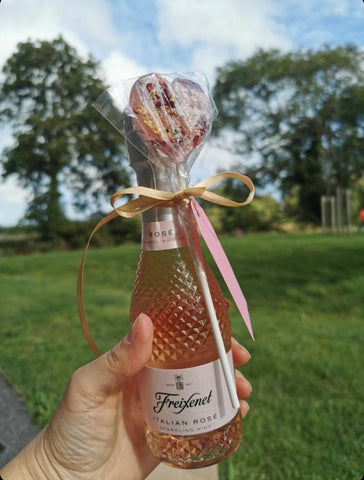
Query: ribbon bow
151, 198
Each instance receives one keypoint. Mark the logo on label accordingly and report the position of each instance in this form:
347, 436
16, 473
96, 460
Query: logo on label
179, 382
169, 400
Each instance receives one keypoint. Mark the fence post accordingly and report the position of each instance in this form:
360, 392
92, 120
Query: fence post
348, 209
323, 213
333, 214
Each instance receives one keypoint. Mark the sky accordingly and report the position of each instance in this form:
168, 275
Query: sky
133, 37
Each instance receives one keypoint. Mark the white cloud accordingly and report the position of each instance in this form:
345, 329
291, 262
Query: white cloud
218, 30
12, 202
210, 160
23, 20
314, 14
118, 66
12, 193
341, 8
12, 197
85, 24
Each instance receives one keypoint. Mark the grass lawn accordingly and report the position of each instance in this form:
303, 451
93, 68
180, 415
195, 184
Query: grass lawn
306, 298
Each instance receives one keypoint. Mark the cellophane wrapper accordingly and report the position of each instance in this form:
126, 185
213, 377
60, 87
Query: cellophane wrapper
166, 117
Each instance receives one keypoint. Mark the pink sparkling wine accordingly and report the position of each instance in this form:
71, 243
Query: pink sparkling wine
190, 422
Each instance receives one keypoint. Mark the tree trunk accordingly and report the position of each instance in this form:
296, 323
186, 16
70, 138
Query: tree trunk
53, 215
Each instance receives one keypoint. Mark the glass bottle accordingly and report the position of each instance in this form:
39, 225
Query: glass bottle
190, 422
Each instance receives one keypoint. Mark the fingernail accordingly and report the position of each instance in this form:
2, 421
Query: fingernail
245, 350
240, 375
244, 408
241, 346
134, 329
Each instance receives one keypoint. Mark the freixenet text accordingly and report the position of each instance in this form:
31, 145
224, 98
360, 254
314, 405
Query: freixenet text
173, 400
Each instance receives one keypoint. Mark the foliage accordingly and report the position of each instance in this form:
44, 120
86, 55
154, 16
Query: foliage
290, 206
260, 216
19, 240
306, 303
298, 118
74, 234
263, 214
58, 138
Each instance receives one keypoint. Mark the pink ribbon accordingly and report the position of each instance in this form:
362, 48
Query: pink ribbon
213, 243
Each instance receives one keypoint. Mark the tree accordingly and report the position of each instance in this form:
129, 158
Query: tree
263, 214
59, 139
297, 118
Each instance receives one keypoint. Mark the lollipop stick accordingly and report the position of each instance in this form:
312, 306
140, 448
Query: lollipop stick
195, 250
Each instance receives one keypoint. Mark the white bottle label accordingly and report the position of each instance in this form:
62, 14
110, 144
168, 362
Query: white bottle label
162, 236
186, 401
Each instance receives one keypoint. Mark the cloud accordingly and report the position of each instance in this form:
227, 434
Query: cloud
217, 31
118, 66
12, 197
343, 8
23, 20
12, 201
210, 160
85, 24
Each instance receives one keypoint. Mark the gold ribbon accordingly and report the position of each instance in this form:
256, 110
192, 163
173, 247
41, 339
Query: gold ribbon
151, 198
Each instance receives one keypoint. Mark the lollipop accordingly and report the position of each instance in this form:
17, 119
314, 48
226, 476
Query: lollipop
172, 118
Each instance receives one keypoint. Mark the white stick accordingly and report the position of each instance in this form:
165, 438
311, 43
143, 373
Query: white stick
200, 271
218, 339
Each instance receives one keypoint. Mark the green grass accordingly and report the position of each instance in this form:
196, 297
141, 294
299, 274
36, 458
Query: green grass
307, 305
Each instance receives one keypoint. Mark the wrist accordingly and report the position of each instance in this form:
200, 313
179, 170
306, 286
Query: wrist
17, 468
32, 463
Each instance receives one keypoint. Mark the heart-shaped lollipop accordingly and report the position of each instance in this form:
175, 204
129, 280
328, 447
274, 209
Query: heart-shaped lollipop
172, 118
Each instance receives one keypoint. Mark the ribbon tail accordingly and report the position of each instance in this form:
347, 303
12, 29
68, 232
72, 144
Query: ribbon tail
222, 262
80, 299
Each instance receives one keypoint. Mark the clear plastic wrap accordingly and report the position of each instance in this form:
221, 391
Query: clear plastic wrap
172, 115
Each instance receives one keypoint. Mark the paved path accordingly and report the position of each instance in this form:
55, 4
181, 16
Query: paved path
15, 428
16, 431
167, 473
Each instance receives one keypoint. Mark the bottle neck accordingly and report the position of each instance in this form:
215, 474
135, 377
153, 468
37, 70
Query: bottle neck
163, 229
160, 174
170, 178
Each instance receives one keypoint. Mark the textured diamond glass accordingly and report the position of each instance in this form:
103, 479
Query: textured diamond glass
166, 288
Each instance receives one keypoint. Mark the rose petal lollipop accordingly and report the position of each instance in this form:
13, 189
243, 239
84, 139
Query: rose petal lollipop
196, 107
172, 118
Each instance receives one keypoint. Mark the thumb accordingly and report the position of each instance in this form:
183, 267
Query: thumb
109, 372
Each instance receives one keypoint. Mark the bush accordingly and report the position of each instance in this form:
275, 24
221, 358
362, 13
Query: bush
263, 214
18, 241
74, 234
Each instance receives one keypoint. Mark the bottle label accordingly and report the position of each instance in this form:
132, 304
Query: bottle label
186, 401
162, 236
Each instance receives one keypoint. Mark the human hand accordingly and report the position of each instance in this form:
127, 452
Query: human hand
97, 431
